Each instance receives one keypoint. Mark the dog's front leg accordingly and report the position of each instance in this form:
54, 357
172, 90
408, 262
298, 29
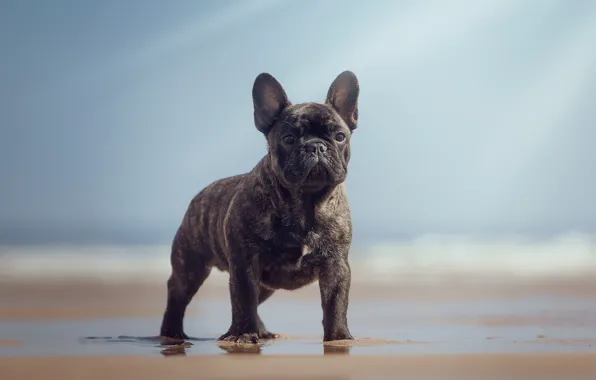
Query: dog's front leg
334, 284
244, 294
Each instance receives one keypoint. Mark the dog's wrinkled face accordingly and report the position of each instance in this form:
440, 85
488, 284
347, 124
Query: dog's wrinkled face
309, 143
310, 146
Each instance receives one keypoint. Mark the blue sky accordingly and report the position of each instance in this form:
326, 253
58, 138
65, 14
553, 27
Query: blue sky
475, 117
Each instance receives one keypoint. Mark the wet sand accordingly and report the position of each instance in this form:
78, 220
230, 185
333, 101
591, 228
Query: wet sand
461, 326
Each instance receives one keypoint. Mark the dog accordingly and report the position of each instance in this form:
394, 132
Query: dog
283, 225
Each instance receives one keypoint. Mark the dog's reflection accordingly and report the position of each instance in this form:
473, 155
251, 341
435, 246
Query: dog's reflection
178, 350
336, 350
254, 349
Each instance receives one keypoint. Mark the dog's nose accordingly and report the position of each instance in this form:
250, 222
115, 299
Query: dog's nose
317, 147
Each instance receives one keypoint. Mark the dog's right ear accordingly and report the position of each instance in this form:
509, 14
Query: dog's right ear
269, 100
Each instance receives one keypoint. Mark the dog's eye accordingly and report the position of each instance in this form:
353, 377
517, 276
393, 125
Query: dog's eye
340, 136
288, 139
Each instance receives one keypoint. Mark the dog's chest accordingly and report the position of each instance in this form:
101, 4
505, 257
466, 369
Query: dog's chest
296, 232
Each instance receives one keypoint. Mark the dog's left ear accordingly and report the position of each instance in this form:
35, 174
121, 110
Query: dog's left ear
269, 100
343, 97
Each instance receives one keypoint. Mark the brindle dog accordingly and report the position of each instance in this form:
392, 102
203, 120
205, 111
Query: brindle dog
283, 225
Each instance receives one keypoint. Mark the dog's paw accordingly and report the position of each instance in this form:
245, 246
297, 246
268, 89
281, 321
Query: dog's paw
264, 334
250, 338
178, 336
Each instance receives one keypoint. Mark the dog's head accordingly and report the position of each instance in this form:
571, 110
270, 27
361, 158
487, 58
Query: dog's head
309, 143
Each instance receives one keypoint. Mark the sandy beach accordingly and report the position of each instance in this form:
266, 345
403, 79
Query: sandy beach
461, 326
545, 366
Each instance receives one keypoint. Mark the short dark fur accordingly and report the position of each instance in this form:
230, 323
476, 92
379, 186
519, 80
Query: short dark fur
283, 225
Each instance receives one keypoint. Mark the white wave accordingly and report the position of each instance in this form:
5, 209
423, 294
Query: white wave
102, 262
561, 255
422, 256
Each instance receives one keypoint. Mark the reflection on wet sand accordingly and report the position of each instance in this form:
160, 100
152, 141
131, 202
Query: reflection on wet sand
170, 347
336, 350
233, 348
251, 349
174, 351
178, 347
257, 349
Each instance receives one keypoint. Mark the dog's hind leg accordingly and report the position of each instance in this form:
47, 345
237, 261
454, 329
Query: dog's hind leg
190, 268
264, 294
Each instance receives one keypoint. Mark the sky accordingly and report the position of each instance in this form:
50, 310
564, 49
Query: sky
475, 117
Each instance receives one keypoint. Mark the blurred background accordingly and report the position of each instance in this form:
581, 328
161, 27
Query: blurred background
475, 147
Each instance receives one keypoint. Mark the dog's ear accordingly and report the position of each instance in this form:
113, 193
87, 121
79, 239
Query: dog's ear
343, 97
269, 100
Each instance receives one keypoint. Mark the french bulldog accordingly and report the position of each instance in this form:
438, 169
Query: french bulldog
283, 225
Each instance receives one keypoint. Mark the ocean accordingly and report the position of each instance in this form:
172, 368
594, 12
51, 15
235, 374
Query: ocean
424, 256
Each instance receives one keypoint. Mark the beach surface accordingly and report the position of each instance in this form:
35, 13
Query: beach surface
439, 326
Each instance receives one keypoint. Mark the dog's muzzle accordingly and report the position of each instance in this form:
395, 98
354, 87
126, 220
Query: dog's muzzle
315, 148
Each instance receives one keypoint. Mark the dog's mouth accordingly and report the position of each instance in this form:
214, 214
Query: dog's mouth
318, 173
311, 173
